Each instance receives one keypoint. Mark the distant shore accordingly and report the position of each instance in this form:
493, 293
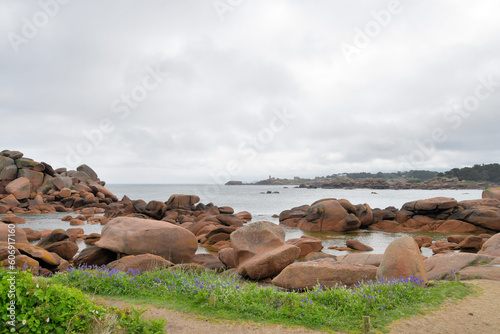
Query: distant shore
372, 183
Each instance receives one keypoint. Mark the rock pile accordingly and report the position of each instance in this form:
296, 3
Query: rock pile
28, 186
439, 214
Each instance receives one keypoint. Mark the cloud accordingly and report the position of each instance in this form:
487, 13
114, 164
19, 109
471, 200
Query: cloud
169, 93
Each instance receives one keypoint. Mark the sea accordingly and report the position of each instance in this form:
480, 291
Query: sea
264, 202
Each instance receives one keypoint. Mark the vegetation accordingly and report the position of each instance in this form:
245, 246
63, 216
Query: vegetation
412, 174
488, 173
54, 308
477, 173
338, 309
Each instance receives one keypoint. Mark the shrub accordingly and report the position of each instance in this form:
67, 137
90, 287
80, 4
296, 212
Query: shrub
53, 308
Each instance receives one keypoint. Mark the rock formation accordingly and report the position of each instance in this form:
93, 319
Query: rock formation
28, 186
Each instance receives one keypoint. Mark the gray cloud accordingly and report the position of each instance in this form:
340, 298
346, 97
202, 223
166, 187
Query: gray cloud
167, 92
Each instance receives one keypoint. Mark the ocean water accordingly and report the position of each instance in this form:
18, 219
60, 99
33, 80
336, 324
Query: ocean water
263, 206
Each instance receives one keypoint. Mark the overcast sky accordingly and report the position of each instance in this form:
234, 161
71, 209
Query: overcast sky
211, 91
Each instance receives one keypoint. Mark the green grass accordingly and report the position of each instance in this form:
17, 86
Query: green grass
42, 307
338, 309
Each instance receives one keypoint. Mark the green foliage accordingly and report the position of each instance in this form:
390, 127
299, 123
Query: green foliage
422, 175
53, 308
338, 309
488, 173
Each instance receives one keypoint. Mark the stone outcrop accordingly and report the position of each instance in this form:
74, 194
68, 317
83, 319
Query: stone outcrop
325, 272
142, 263
19, 236
358, 245
361, 259
491, 193
439, 214
492, 246
307, 244
260, 250
323, 215
97, 256
28, 186
440, 265
134, 236
402, 258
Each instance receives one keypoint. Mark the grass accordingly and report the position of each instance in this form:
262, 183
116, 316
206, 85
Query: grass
338, 309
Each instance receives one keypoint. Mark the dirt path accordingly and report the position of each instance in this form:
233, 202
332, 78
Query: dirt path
476, 314
183, 323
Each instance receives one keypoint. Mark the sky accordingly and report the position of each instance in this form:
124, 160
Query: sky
211, 91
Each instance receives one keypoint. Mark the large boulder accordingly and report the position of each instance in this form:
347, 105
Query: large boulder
458, 226
12, 154
291, 218
328, 215
425, 206
143, 262
209, 261
492, 246
260, 250
229, 220
358, 245
361, 259
61, 182
178, 201
55, 236
24, 262
440, 265
31, 234
89, 171
256, 238
226, 256
442, 246
94, 255
487, 217
8, 173
98, 188
35, 178
65, 249
307, 244
20, 188
134, 236
491, 193
25, 162
44, 257
325, 272
10, 201
13, 219
364, 214
154, 209
47, 185
5, 161
270, 263
6, 235
486, 271
402, 258
472, 243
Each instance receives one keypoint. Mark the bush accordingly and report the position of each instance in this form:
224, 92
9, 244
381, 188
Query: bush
53, 308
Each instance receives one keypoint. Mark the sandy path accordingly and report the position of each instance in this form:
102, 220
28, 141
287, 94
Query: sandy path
478, 314
183, 323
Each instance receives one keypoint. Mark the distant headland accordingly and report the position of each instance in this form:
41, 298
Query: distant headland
476, 177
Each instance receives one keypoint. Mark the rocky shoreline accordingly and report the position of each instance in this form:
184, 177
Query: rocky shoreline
145, 235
